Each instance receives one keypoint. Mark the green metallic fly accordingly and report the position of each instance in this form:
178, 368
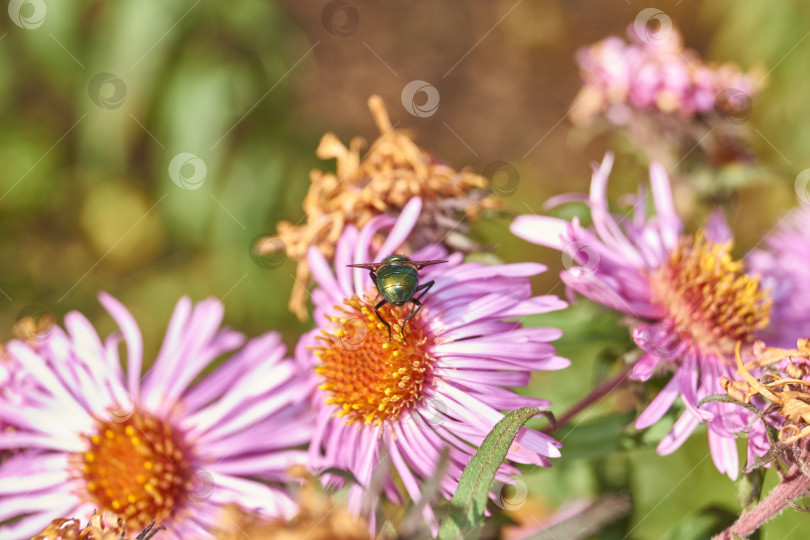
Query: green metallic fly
397, 280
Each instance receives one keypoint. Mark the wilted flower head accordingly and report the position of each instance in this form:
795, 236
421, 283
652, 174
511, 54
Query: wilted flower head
784, 381
103, 526
382, 181
785, 266
689, 300
441, 387
151, 448
319, 517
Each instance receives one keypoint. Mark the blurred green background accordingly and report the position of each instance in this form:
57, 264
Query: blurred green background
100, 97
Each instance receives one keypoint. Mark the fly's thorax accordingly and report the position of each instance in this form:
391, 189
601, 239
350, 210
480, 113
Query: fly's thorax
397, 282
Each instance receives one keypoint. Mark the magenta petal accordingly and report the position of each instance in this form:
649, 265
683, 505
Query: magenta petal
724, 454
402, 228
132, 337
683, 427
659, 406
546, 231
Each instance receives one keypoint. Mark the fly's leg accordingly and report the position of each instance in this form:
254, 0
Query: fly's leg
424, 288
376, 310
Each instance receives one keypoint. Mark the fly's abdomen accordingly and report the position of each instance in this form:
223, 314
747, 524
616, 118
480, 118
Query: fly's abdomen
397, 283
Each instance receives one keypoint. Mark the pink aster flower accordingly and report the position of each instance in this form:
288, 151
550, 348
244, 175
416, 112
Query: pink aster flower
655, 75
444, 387
689, 300
785, 267
101, 437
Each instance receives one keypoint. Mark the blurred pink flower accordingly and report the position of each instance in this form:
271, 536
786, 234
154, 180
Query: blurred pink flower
785, 267
690, 301
101, 437
444, 388
655, 75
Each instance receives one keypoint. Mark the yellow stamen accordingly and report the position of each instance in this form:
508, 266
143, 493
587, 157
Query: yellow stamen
708, 296
367, 378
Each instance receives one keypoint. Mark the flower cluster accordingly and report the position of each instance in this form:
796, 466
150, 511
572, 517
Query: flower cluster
416, 350
654, 73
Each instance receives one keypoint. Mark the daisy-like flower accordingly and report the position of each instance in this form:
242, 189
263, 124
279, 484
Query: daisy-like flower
157, 448
690, 302
785, 268
381, 181
442, 387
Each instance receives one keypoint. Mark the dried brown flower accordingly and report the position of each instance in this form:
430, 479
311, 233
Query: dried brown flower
789, 395
318, 518
392, 171
103, 526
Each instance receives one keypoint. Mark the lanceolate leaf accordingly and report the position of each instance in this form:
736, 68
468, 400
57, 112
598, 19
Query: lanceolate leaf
470, 499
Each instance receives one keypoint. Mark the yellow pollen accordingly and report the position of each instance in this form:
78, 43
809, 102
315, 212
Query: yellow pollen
709, 297
367, 378
139, 467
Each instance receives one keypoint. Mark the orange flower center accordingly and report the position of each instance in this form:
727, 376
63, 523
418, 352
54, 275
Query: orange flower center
366, 377
709, 297
138, 468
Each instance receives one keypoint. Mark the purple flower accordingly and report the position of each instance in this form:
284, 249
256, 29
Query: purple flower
690, 301
102, 437
444, 387
657, 75
785, 267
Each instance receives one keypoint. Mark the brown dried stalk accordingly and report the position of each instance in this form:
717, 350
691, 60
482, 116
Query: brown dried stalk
382, 181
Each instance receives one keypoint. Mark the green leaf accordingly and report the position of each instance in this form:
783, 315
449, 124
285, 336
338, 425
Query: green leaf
470, 500
702, 525
749, 488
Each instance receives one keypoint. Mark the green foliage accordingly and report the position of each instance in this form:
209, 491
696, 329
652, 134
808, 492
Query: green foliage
470, 499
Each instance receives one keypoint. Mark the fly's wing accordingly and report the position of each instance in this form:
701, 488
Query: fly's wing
367, 266
421, 264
